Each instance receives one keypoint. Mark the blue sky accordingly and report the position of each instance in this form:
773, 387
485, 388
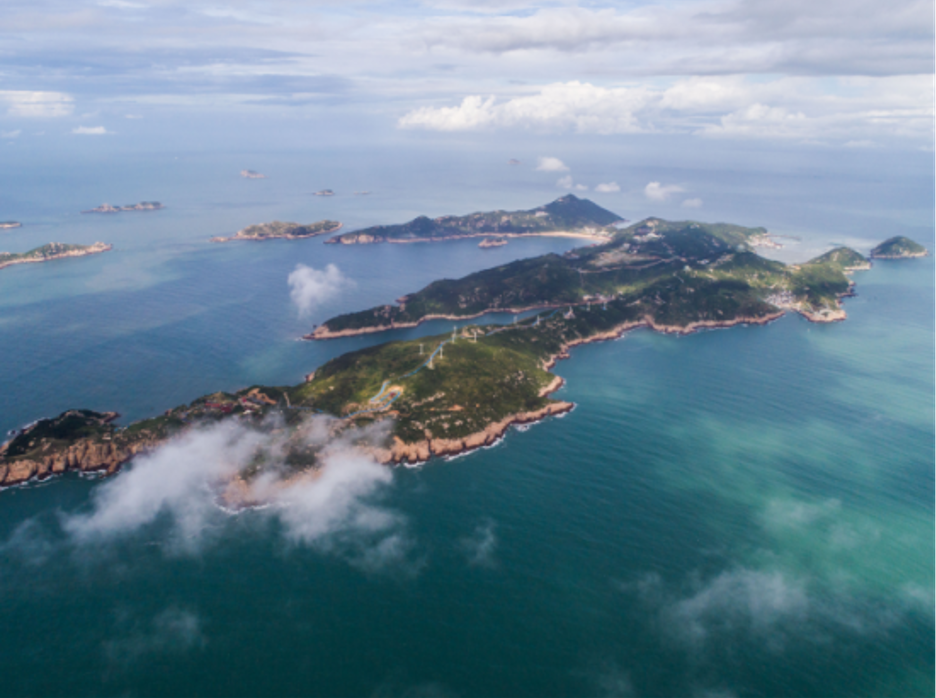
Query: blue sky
853, 73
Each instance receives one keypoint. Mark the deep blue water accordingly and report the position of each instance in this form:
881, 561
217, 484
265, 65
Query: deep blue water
736, 512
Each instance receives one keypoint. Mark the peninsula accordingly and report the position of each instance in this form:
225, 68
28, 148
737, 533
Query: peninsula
676, 274
278, 230
54, 250
898, 247
567, 216
5, 225
142, 206
446, 394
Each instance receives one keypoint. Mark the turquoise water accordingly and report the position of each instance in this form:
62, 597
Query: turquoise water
736, 512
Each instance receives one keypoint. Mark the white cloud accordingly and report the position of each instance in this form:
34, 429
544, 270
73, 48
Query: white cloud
661, 192
565, 182
608, 188
549, 164
311, 287
480, 546
331, 508
10, 134
90, 130
173, 631
32, 104
692, 203
576, 106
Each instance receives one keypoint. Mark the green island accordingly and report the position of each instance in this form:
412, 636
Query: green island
408, 401
568, 216
278, 230
898, 247
678, 274
54, 250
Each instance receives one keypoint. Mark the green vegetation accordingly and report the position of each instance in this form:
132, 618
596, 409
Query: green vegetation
568, 213
843, 257
898, 247
676, 273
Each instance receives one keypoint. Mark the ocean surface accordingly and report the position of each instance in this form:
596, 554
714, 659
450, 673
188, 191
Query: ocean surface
741, 512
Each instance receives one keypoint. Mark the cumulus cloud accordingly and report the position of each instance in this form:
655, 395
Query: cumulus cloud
479, 548
309, 287
655, 191
608, 188
575, 106
692, 203
172, 631
32, 104
332, 508
90, 130
863, 109
549, 164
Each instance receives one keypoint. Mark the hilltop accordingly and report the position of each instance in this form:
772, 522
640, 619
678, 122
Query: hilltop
845, 258
53, 250
567, 215
898, 247
677, 273
280, 230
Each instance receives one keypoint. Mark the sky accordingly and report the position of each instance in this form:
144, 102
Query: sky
840, 73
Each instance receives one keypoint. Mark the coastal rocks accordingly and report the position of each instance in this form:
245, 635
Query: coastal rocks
420, 451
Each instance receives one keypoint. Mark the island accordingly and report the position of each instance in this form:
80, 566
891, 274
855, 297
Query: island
54, 250
251, 174
675, 275
6, 225
450, 393
324, 192
142, 206
487, 243
568, 216
899, 247
278, 230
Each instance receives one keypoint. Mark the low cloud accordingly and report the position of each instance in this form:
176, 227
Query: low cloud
31, 104
332, 508
692, 203
173, 631
655, 191
90, 130
479, 548
309, 287
608, 188
548, 164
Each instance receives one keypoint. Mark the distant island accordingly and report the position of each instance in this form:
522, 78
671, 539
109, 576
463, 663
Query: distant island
252, 174
278, 230
492, 242
54, 250
5, 225
324, 192
567, 216
898, 247
142, 206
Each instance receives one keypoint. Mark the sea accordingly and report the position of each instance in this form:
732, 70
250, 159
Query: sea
737, 512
